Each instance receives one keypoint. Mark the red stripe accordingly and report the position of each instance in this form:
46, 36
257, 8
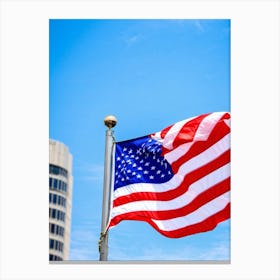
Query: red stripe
188, 131
199, 201
189, 179
208, 224
164, 131
186, 134
220, 130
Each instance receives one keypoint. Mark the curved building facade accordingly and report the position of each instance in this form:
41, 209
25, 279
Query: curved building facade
60, 200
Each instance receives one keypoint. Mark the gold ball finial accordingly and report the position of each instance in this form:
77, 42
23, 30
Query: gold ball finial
110, 121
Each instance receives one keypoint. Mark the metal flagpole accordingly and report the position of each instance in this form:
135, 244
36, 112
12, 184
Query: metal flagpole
110, 122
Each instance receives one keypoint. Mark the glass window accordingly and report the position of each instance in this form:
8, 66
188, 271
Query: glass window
53, 213
51, 243
56, 214
58, 185
53, 169
55, 183
52, 228
54, 258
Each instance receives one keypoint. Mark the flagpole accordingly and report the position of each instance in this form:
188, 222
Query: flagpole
110, 122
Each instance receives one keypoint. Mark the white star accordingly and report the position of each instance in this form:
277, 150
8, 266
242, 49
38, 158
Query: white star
151, 177
138, 176
153, 168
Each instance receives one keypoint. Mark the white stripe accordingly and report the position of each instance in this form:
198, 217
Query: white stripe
203, 158
195, 189
205, 128
197, 216
173, 132
207, 125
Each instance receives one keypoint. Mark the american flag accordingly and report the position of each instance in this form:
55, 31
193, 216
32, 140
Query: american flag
178, 179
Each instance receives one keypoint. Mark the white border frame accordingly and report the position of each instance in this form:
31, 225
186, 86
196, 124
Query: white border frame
255, 137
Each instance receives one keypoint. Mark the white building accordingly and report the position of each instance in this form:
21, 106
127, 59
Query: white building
60, 200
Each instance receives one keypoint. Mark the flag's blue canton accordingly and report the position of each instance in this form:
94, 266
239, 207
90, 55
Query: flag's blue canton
140, 161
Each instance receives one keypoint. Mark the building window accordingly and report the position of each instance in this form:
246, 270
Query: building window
57, 170
51, 243
54, 258
57, 199
56, 229
57, 214
57, 185
57, 245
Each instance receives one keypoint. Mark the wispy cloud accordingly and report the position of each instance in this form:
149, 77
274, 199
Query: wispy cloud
132, 39
90, 171
84, 242
198, 25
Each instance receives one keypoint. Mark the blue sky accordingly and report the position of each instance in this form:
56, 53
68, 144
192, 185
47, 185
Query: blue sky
149, 74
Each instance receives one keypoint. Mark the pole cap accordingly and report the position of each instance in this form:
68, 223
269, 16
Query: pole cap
110, 121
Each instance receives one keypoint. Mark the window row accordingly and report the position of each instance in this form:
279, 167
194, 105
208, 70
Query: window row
57, 245
54, 258
57, 199
56, 229
57, 184
57, 214
53, 169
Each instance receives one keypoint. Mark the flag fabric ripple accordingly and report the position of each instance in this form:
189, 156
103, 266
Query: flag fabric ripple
178, 179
